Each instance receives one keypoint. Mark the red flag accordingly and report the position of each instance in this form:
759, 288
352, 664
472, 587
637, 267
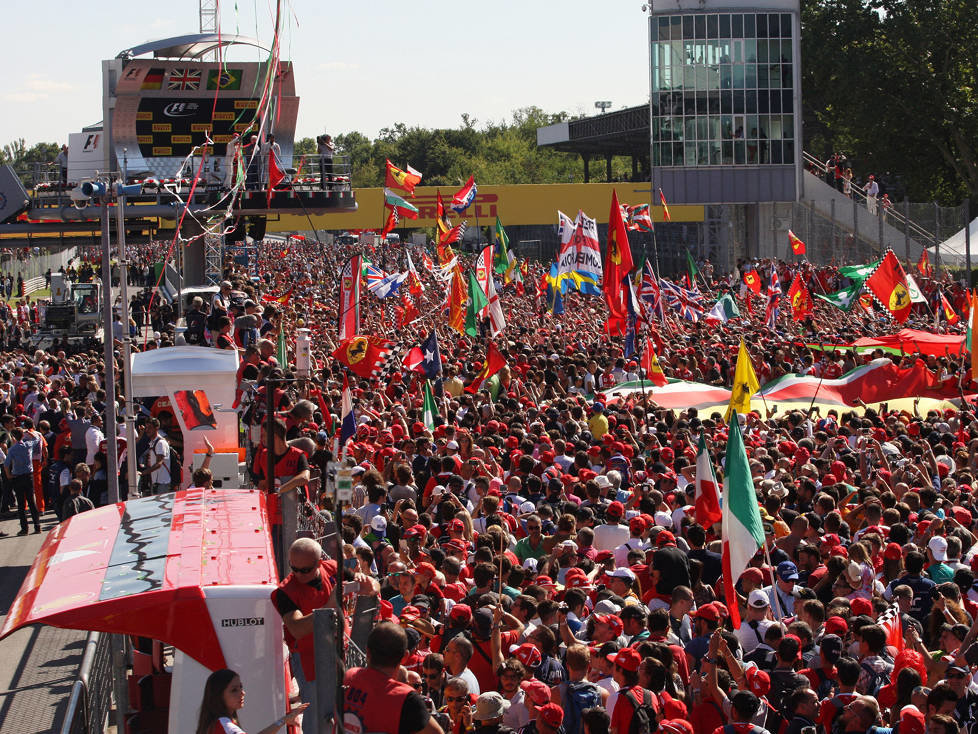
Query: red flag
390, 224
797, 246
952, 318
889, 284
349, 312
404, 180
494, 362
365, 355
275, 174
923, 265
650, 363
281, 300
800, 298
665, 207
753, 281
406, 312
619, 264
890, 622
195, 409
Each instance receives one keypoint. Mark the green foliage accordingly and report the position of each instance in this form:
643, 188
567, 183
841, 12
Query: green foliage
495, 153
22, 158
892, 83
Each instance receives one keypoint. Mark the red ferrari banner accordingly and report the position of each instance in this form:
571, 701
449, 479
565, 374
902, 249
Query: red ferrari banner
888, 284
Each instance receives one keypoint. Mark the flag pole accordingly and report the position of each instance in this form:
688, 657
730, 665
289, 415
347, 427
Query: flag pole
774, 583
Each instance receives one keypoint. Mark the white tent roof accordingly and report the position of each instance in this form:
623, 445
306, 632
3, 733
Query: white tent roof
150, 368
953, 248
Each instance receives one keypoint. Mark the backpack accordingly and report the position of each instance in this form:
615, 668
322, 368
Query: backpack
176, 469
645, 719
576, 698
876, 680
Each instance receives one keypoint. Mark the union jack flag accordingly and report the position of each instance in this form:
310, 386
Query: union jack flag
373, 274
649, 293
184, 79
775, 286
687, 302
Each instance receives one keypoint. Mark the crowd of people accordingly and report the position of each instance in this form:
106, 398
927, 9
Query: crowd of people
536, 554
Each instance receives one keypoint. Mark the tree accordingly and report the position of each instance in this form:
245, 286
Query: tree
893, 81
23, 159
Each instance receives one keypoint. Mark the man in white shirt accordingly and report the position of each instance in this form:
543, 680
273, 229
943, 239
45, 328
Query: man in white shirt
612, 534
156, 460
752, 629
872, 190
93, 437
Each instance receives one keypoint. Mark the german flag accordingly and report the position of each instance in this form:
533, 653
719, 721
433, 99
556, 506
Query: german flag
153, 79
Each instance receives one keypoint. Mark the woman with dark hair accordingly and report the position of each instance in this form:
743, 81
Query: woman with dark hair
223, 697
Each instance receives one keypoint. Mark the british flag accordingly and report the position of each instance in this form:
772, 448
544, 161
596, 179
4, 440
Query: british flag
184, 79
687, 302
649, 293
775, 287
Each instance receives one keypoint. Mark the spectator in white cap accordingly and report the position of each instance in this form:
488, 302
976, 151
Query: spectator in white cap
937, 570
621, 582
755, 624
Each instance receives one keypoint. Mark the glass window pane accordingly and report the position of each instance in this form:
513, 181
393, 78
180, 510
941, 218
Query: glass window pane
774, 25
786, 74
751, 103
738, 51
750, 50
664, 28
699, 25
715, 154
689, 104
740, 151
690, 151
774, 50
677, 154
726, 102
788, 126
776, 149
726, 127
786, 101
728, 153
785, 25
763, 102
774, 73
762, 47
738, 102
775, 101
725, 25
676, 21
665, 155
712, 26
736, 25
714, 103
726, 76
690, 129
702, 154
761, 25
739, 71
750, 78
653, 30
789, 151
786, 53
687, 26
763, 78
750, 30
701, 108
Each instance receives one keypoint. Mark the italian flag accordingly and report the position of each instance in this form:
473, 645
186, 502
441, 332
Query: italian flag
430, 409
742, 531
707, 502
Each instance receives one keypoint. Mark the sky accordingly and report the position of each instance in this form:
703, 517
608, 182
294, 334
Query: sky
360, 65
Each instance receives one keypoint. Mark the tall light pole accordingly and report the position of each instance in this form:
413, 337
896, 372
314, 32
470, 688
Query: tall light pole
647, 8
603, 105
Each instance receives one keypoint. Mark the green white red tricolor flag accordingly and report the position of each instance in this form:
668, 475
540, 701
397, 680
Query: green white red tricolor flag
707, 501
741, 529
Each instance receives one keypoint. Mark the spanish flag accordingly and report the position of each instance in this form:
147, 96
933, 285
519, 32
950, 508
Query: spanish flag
665, 207
745, 384
403, 180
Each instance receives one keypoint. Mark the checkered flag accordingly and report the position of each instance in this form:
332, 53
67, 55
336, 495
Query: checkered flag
890, 621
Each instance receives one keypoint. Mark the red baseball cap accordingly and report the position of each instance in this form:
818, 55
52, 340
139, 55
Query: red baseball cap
552, 714
628, 659
758, 681
536, 691
527, 653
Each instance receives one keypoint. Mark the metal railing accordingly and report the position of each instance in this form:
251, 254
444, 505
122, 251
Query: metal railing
894, 217
91, 694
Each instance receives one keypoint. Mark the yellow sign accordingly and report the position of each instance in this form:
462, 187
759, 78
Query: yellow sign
517, 204
162, 150
200, 127
144, 116
175, 139
246, 104
224, 116
162, 127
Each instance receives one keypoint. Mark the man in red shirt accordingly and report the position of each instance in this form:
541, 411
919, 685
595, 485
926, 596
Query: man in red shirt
630, 694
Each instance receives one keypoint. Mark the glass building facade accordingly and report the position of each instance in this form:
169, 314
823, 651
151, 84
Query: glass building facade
723, 89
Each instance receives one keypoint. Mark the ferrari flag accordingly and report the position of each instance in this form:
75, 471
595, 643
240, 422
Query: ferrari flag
403, 180
888, 284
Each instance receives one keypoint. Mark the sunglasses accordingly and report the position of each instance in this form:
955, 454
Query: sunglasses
456, 699
295, 569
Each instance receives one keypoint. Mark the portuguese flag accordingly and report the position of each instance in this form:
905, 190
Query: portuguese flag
742, 530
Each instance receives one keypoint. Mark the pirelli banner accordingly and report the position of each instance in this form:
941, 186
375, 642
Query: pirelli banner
165, 109
518, 204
